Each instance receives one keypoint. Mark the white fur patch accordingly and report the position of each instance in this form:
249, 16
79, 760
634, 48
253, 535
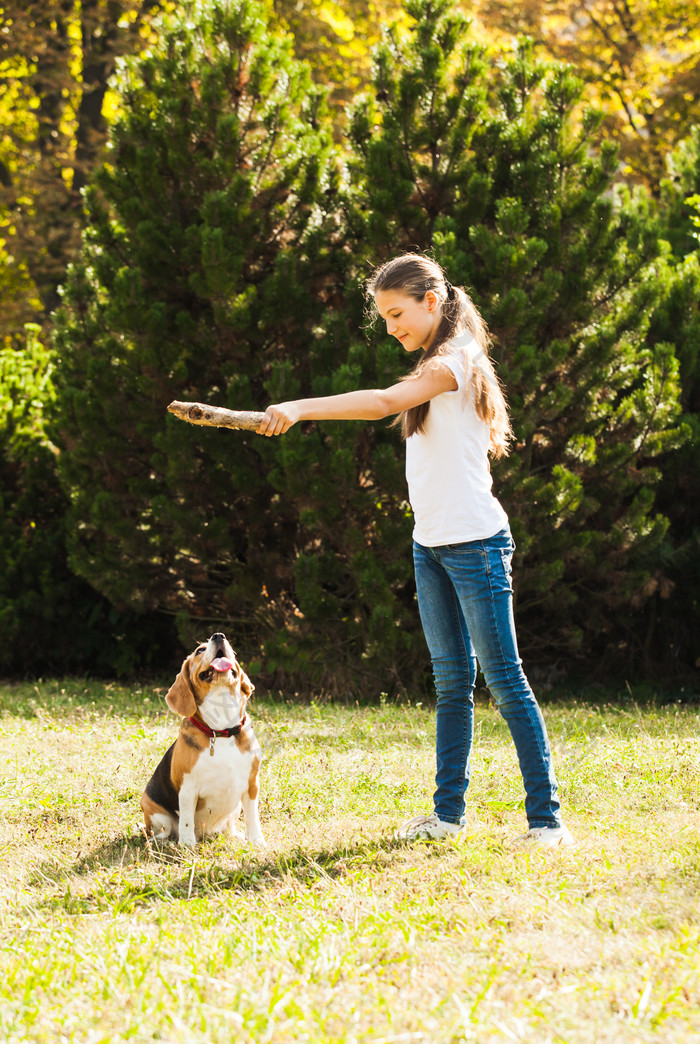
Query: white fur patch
223, 706
213, 792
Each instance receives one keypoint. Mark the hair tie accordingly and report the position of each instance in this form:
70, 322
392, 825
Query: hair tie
450, 288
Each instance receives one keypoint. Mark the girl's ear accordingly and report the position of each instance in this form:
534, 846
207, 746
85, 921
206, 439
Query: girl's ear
432, 300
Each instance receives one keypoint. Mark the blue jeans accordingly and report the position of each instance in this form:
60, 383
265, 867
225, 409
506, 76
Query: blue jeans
465, 599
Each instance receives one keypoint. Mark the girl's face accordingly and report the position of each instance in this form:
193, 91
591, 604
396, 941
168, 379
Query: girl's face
412, 322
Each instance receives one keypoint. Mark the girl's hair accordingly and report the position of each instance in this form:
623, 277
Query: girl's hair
414, 275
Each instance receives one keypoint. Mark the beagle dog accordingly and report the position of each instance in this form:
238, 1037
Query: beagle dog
212, 767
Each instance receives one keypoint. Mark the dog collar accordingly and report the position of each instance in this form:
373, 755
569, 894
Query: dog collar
213, 733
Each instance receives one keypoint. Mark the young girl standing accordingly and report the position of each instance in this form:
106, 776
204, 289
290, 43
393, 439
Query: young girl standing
453, 415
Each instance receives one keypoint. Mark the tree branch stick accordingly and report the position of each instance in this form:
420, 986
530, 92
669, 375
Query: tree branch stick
215, 416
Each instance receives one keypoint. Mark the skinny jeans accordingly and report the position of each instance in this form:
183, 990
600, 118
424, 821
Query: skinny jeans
465, 598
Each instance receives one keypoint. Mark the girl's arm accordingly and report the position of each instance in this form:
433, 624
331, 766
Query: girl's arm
372, 404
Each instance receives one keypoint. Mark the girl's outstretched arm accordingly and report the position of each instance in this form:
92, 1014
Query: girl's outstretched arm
370, 404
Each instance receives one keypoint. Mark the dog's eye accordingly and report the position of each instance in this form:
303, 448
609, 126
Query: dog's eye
198, 652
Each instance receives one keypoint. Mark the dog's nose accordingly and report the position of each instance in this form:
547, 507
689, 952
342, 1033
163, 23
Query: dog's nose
218, 637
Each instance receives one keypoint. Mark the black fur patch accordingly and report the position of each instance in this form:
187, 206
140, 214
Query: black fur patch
189, 738
160, 786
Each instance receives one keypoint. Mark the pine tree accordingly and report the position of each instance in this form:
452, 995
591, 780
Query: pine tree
347, 621
669, 623
501, 175
200, 278
639, 60
220, 265
50, 620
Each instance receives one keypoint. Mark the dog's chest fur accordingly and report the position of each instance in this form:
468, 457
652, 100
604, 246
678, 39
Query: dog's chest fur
219, 780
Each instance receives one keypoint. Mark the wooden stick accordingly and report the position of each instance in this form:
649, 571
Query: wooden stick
216, 416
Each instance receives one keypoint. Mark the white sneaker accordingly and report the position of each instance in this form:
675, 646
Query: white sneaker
424, 828
546, 837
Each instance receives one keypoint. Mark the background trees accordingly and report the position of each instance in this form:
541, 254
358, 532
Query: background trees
56, 63
672, 619
337, 40
204, 261
51, 620
500, 180
229, 225
640, 58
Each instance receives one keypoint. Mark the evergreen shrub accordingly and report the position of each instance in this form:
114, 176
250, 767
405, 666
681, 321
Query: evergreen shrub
500, 173
222, 263
51, 621
209, 253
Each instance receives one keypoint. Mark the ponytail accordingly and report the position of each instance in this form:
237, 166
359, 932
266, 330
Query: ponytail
414, 275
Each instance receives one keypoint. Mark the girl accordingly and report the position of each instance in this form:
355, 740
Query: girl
453, 415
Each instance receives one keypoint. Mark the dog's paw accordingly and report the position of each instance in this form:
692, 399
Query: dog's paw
187, 841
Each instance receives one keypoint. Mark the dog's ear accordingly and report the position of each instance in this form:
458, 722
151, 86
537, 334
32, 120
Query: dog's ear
180, 696
247, 687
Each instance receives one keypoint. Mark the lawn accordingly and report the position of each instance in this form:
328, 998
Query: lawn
335, 932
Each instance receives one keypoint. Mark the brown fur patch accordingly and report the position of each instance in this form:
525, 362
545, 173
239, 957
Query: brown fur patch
150, 808
245, 739
190, 745
181, 695
253, 778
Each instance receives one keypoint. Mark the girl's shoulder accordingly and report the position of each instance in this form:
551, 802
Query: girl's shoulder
459, 354
462, 345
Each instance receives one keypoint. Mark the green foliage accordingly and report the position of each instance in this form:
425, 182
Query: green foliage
495, 173
31, 527
49, 619
355, 621
671, 623
205, 256
221, 264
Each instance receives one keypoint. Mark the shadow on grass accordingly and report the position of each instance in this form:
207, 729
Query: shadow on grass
133, 872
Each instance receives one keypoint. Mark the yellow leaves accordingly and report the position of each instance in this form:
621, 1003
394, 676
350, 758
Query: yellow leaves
337, 40
338, 21
641, 60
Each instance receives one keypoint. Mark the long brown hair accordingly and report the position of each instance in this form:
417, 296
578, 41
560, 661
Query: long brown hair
414, 275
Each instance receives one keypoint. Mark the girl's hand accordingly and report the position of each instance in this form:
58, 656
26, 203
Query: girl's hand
279, 419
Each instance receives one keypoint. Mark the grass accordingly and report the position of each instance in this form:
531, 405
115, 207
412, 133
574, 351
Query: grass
335, 933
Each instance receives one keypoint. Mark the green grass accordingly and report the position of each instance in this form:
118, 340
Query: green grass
335, 933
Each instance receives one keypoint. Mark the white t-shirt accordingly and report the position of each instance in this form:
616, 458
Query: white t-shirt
447, 467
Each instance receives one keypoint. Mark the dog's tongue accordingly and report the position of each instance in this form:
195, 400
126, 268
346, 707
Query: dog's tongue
221, 664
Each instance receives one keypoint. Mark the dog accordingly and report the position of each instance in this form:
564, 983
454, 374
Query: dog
211, 770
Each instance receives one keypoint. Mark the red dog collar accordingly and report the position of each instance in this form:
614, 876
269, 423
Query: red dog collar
213, 733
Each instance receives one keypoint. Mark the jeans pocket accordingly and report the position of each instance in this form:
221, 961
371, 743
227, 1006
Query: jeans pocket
507, 559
